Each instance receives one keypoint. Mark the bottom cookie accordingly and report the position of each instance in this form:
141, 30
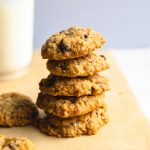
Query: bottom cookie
15, 143
88, 125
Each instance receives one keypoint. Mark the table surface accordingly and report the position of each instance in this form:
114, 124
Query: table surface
128, 128
135, 64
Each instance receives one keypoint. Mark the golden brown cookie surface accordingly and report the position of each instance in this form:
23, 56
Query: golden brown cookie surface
71, 43
88, 125
15, 143
64, 86
16, 110
58, 121
83, 66
69, 106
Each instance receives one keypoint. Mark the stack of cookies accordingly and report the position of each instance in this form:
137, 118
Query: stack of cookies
72, 96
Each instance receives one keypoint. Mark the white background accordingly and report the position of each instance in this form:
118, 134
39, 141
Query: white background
124, 23
135, 65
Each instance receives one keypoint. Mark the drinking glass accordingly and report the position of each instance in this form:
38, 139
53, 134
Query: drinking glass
16, 37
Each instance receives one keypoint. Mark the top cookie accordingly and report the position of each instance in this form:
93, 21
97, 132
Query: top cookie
71, 43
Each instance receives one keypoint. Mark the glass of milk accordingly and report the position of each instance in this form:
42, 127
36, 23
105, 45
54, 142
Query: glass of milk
16, 37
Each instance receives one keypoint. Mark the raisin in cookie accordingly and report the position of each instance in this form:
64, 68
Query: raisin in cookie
15, 143
83, 66
91, 123
16, 110
69, 106
71, 43
64, 86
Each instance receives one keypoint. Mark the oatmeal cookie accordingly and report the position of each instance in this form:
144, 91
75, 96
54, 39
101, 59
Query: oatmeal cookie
88, 126
58, 121
64, 86
69, 106
83, 66
71, 43
15, 143
16, 110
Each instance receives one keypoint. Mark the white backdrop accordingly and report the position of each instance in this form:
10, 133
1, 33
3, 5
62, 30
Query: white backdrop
124, 23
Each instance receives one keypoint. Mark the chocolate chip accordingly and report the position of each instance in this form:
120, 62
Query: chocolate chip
52, 81
85, 36
97, 113
103, 56
47, 118
63, 48
11, 146
48, 82
64, 66
92, 90
48, 124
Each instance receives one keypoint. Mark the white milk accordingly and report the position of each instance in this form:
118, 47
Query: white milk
16, 37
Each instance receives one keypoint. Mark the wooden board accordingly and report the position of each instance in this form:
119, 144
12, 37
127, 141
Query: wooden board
128, 129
